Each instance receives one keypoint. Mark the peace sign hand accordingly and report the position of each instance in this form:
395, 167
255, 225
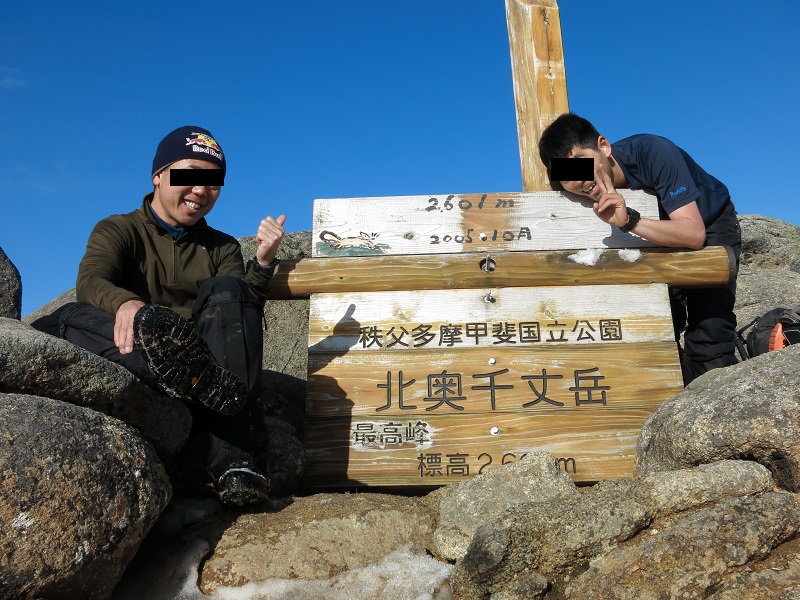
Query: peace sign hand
609, 205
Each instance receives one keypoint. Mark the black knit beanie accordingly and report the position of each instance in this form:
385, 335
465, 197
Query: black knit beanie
188, 142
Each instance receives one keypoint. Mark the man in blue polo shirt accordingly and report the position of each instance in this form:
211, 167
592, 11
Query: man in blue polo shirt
695, 211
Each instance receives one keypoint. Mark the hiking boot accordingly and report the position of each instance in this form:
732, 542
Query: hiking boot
182, 364
243, 486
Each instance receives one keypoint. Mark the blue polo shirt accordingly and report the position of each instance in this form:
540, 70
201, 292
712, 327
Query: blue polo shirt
656, 165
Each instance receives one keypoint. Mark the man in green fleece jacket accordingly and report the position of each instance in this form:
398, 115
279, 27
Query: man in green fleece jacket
168, 297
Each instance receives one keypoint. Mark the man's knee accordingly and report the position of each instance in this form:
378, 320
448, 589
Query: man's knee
225, 288
226, 302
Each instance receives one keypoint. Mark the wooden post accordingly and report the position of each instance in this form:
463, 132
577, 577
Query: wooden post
540, 83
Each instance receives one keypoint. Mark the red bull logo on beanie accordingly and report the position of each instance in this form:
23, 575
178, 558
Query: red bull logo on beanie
206, 144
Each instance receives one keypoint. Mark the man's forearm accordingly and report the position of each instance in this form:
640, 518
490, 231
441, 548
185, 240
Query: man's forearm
671, 233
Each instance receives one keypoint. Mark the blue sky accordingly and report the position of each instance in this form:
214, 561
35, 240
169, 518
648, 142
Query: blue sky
321, 99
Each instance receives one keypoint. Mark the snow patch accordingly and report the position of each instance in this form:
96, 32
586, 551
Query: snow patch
408, 573
630, 254
22, 522
588, 257
168, 570
82, 552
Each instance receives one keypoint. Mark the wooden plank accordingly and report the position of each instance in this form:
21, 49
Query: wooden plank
430, 321
568, 389
709, 267
539, 76
343, 452
468, 223
536, 379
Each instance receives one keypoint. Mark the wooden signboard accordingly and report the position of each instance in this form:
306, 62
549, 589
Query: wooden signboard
427, 387
450, 223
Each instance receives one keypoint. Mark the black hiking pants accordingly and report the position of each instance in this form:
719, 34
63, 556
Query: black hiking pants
705, 315
228, 317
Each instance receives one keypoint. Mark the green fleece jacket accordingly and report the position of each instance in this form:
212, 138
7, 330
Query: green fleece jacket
131, 257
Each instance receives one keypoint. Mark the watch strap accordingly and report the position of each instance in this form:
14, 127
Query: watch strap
633, 220
268, 270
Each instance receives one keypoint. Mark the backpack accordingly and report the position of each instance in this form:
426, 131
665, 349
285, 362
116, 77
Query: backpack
773, 330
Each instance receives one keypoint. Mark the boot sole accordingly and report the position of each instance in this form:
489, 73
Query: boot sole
243, 487
180, 360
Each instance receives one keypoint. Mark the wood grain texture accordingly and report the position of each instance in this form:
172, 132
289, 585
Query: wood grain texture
345, 452
444, 407
539, 76
487, 319
535, 379
709, 267
468, 223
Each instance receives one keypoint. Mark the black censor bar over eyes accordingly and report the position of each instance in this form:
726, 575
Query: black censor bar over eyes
572, 169
211, 177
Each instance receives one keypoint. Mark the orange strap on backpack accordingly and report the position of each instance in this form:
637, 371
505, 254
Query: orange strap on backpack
776, 338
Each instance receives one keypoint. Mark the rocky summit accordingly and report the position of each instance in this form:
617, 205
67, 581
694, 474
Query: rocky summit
79, 492
103, 493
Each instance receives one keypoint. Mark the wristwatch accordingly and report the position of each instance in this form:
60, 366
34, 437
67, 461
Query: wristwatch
633, 220
268, 270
